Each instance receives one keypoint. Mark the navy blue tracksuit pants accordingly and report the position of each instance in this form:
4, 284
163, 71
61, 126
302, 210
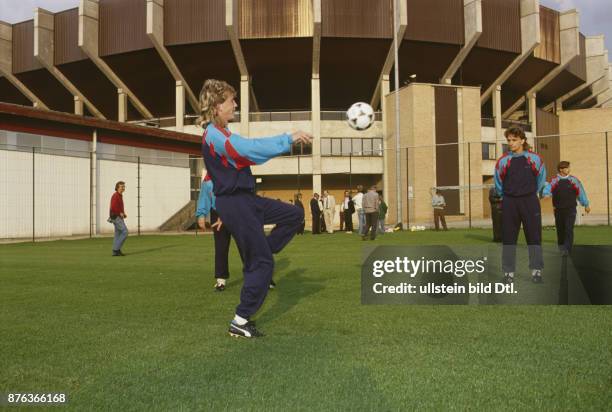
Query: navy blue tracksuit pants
564, 221
525, 210
222, 244
244, 214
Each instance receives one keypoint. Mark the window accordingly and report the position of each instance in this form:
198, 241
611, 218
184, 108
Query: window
357, 147
336, 147
346, 147
325, 147
367, 147
488, 151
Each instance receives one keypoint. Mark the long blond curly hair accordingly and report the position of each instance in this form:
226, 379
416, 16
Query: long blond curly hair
213, 92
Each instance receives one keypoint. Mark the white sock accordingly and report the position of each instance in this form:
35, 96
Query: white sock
220, 281
240, 320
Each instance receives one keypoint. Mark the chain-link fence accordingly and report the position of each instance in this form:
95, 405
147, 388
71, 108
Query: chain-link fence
463, 174
55, 188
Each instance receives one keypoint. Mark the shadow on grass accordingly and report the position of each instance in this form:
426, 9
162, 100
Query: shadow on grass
156, 249
481, 238
279, 267
293, 288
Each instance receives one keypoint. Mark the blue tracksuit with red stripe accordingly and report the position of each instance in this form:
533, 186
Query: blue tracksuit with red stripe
228, 158
565, 190
519, 178
206, 206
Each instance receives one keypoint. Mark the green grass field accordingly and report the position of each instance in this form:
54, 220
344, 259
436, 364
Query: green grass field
148, 332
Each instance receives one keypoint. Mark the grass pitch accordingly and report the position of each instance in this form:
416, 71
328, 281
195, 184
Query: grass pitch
148, 332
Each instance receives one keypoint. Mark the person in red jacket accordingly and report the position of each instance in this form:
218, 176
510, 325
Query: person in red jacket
117, 216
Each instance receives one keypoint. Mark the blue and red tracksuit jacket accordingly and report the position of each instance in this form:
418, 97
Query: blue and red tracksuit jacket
519, 175
228, 157
565, 190
206, 200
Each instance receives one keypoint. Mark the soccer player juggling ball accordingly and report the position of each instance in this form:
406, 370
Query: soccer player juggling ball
520, 176
565, 190
228, 158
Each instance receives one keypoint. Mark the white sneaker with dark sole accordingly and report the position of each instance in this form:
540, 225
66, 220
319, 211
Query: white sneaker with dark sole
247, 330
536, 276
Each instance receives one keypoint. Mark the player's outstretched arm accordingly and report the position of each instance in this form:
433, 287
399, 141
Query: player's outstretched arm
260, 150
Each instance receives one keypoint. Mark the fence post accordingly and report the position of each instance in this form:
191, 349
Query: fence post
469, 186
90, 194
350, 166
138, 194
298, 174
33, 195
607, 179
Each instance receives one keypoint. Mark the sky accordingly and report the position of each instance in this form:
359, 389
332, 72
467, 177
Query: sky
595, 15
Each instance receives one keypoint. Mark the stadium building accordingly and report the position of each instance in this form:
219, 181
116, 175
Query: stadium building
106, 78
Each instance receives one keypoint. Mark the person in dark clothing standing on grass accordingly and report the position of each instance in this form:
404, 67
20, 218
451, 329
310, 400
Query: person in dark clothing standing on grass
298, 203
382, 214
117, 217
315, 210
565, 191
496, 214
520, 176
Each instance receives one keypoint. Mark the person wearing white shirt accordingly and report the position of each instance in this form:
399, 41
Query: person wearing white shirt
438, 203
358, 200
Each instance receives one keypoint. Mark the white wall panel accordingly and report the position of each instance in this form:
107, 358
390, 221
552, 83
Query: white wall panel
15, 194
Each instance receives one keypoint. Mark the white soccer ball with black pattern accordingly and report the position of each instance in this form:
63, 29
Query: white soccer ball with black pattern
360, 116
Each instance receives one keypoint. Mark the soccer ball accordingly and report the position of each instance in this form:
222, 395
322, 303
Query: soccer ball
360, 116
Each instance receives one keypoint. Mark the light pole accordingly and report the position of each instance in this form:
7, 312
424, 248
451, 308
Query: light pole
398, 175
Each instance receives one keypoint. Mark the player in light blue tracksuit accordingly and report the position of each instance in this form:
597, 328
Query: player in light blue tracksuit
206, 206
228, 158
520, 176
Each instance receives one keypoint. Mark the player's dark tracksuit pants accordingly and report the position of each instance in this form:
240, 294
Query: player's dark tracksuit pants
222, 244
244, 214
565, 218
523, 210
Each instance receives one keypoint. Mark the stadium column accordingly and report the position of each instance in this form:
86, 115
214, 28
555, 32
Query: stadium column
384, 90
497, 112
390, 60
532, 103
569, 22
44, 31
180, 106
316, 133
596, 68
599, 89
6, 65
122, 105
94, 183
231, 17
89, 43
78, 106
472, 26
244, 105
530, 39
155, 32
